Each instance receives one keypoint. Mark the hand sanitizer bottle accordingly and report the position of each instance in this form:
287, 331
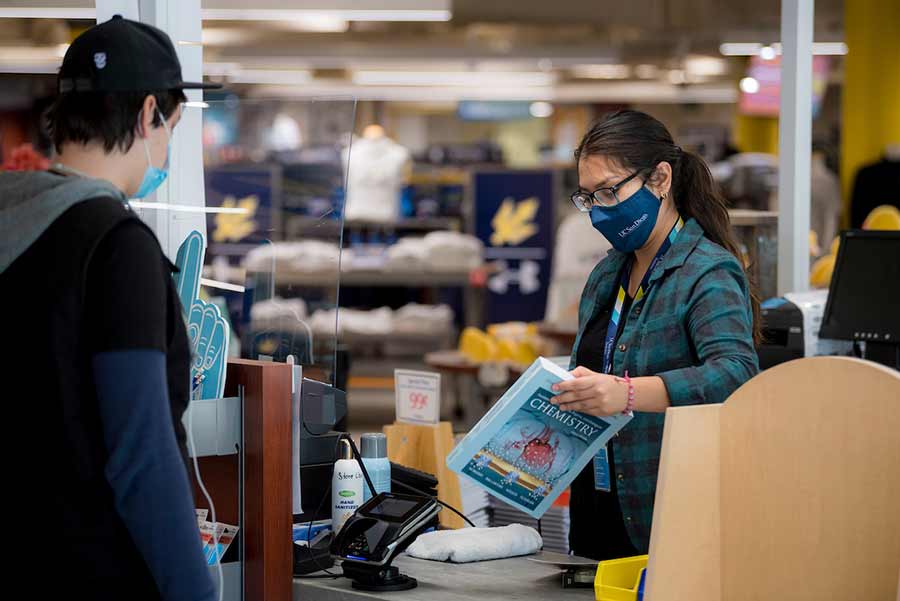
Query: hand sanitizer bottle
346, 488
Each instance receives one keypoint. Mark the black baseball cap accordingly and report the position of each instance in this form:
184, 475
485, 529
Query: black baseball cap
121, 55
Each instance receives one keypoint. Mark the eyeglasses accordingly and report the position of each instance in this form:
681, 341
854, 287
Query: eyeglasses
603, 197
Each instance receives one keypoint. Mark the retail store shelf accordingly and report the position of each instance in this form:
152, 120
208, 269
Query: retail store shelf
405, 337
413, 223
349, 277
332, 227
216, 426
747, 217
374, 278
563, 334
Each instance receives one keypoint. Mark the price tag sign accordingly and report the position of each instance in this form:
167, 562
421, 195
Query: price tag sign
418, 396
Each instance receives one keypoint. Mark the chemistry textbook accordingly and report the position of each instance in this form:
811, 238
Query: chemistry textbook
526, 451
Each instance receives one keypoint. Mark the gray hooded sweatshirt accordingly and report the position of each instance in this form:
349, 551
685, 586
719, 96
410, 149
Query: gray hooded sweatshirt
30, 201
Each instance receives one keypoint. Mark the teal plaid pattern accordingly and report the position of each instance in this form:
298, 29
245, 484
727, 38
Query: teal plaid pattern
693, 328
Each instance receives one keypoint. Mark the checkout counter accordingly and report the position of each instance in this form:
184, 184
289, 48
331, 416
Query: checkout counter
788, 490
808, 446
517, 579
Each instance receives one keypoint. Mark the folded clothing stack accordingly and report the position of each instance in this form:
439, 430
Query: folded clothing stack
415, 319
312, 256
437, 251
353, 321
408, 254
412, 319
279, 314
453, 251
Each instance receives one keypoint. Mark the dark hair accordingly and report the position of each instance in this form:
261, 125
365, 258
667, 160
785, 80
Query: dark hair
637, 141
109, 118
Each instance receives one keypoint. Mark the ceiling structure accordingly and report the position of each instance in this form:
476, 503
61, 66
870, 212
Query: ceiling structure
565, 50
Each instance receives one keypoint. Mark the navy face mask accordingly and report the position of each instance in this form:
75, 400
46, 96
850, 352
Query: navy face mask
628, 224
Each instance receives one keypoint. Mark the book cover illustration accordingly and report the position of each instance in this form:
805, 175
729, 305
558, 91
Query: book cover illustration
526, 451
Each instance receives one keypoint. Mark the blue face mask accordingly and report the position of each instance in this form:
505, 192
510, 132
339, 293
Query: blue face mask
628, 224
154, 176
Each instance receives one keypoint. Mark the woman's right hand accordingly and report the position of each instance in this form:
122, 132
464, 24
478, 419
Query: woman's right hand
591, 393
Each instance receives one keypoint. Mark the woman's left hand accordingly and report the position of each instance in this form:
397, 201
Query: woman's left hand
592, 393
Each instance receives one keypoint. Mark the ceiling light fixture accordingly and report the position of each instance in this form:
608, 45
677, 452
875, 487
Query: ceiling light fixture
453, 78
646, 71
765, 51
830, 48
24, 12
289, 77
540, 109
318, 24
601, 71
264, 14
217, 10
749, 85
704, 66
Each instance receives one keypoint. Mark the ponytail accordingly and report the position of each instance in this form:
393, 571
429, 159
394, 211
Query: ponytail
697, 196
639, 141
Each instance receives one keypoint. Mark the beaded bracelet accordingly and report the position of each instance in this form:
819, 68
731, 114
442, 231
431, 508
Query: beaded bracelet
629, 407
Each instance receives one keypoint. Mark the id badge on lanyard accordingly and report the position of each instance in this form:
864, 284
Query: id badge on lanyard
602, 476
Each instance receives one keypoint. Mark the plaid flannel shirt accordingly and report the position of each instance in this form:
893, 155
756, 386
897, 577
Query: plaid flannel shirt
693, 329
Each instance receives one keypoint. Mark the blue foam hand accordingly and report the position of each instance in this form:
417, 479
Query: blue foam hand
189, 261
208, 332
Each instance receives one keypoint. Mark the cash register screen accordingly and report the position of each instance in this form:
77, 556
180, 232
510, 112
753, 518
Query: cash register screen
864, 289
394, 509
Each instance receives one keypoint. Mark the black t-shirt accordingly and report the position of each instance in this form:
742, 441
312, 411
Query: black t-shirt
597, 528
72, 294
128, 275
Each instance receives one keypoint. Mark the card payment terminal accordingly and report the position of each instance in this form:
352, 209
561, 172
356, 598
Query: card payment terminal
372, 538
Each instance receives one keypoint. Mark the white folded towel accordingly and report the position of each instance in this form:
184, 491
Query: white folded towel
477, 544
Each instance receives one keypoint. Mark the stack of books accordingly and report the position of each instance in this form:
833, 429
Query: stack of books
554, 526
476, 503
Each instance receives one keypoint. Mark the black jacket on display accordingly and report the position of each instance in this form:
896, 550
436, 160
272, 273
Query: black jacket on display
875, 185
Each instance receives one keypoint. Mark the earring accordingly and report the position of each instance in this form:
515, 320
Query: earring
664, 196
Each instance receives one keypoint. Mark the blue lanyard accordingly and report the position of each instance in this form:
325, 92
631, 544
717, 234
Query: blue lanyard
616, 318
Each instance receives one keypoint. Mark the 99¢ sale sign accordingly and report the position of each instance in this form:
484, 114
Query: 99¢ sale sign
418, 396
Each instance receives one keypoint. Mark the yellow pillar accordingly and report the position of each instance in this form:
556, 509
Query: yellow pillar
871, 100
756, 134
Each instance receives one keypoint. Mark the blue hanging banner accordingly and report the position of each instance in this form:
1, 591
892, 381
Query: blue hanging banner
250, 197
514, 219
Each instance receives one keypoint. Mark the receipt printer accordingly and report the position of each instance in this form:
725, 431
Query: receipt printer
380, 529
791, 326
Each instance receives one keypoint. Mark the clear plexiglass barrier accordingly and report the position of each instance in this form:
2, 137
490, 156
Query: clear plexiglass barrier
252, 216
271, 220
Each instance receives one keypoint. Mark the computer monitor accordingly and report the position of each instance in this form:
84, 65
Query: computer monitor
864, 296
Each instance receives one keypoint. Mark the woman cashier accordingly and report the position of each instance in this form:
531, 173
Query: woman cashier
668, 318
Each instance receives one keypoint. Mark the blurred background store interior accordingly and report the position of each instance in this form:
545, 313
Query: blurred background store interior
443, 137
